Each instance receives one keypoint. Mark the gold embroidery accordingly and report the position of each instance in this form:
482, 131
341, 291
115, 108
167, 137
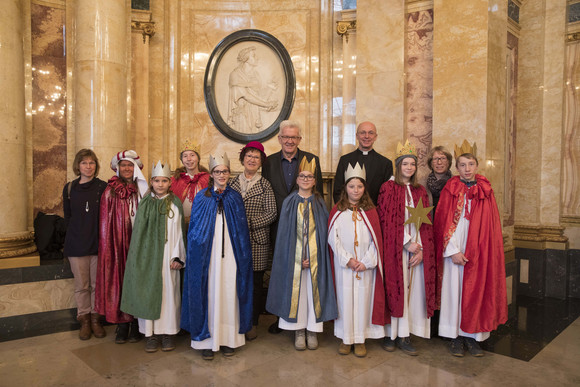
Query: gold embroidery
297, 263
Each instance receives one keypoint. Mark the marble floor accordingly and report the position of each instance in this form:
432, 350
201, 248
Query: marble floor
62, 359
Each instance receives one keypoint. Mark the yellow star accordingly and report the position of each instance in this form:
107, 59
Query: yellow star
418, 215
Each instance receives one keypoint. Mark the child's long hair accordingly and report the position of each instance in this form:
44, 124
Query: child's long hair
399, 175
365, 203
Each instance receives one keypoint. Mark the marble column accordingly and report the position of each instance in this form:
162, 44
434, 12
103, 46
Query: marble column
380, 75
101, 51
540, 112
469, 81
15, 239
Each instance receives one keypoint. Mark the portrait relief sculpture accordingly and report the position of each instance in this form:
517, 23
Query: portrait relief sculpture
249, 95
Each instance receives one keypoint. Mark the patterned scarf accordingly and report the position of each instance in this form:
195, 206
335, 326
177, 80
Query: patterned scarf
435, 185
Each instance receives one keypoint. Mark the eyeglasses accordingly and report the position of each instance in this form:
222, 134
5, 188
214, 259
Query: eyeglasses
292, 138
223, 172
439, 159
306, 177
254, 157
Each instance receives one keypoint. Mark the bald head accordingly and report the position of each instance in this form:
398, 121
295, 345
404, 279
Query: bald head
366, 134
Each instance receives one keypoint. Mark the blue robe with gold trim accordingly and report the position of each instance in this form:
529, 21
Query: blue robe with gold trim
194, 309
283, 292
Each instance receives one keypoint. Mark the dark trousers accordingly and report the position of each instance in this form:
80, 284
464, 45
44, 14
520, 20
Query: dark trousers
259, 296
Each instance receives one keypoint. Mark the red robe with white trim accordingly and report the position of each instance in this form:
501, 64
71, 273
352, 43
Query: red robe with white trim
483, 300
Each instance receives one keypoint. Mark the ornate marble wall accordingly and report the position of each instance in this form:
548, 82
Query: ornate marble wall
419, 95
49, 110
188, 31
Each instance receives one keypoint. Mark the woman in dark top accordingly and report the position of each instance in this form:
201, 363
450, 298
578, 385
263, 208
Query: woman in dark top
81, 202
439, 161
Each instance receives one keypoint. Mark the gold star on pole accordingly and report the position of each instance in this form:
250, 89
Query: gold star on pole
419, 215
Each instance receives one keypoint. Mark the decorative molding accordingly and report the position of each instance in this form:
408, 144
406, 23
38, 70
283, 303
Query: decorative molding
540, 233
570, 220
141, 22
573, 37
418, 5
16, 245
343, 27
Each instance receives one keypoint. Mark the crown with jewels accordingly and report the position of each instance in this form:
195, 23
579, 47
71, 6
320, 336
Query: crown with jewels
308, 166
465, 148
190, 145
161, 170
406, 150
357, 171
218, 160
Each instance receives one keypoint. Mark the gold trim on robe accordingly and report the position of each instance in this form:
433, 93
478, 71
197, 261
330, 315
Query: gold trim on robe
313, 256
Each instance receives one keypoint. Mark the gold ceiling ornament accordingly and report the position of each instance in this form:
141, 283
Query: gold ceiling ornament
344, 26
418, 215
147, 28
465, 148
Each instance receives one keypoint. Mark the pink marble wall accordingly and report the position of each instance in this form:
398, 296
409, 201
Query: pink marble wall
510, 157
48, 107
419, 85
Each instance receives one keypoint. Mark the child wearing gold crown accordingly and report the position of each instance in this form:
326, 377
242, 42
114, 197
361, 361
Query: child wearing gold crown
408, 254
151, 287
355, 240
469, 244
189, 179
218, 284
301, 290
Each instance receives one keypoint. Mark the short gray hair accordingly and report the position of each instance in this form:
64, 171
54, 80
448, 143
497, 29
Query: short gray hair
290, 124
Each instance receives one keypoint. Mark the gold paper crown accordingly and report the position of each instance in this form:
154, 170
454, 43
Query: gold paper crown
307, 166
465, 148
218, 160
161, 170
406, 150
190, 145
357, 171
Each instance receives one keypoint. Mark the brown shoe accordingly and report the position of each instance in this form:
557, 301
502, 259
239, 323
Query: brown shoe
96, 326
252, 334
85, 331
360, 350
344, 349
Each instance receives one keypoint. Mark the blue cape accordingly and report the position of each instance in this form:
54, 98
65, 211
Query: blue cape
281, 279
199, 242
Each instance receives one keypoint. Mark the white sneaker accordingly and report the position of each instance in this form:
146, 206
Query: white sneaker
300, 340
312, 340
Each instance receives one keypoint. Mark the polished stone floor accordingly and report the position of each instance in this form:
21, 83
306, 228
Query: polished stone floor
62, 359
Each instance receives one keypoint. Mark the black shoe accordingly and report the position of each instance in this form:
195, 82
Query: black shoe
152, 344
207, 354
404, 344
274, 329
135, 336
227, 351
122, 333
473, 347
167, 343
456, 347
388, 344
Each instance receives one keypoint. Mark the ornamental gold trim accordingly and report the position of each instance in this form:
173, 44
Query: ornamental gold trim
343, 27
540, 234
17, 245
147, 28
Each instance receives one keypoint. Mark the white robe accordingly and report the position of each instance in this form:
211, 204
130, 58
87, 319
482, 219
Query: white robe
354, 296
414, 318
170, 317
223, 314
452, 285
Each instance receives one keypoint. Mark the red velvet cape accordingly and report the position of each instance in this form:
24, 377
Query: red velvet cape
483, 299
380, 314
114, 237
391, 207
187, 186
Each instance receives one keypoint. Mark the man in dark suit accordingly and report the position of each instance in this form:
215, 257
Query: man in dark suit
379, 168
281, 170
